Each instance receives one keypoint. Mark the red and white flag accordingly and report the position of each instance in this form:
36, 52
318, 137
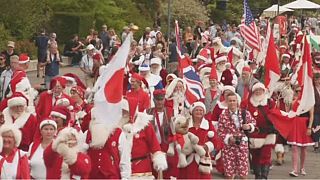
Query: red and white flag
109, 88
304, 78
271, 63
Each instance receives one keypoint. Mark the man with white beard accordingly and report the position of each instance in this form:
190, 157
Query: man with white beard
262, 140
225, 75
175, 97
16, 113
156, 69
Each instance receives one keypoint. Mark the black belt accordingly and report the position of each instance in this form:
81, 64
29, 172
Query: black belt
203, 164
139, 158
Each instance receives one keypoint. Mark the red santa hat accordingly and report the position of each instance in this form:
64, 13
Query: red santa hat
287, 55
220, 58
172, 86
61, 112
16, 132
79, 91
226, 77
19, 81
228, 87
258, 85
213, 73
170, 78
48, 122
197, 104
137, 77
58, 80
23, 58
77, 79
17, 99
246, 69
213, 56
159, 94
204, 55
204, 72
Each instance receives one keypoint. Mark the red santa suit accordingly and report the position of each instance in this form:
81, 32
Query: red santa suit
175, 104
26, 122
235, 157
63, 162
207, 136
14, 166
146, 153
47, 100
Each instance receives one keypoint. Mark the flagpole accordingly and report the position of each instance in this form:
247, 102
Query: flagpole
169, 20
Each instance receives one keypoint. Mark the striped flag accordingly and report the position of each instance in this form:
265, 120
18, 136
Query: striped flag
248, 28
194, 91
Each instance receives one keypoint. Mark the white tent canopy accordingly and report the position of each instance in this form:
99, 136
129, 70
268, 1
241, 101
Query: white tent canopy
302, 4
272, 11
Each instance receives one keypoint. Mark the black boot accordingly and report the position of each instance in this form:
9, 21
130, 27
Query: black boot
265, 171
257, 171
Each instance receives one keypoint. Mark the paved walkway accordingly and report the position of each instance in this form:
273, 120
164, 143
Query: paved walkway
312, 165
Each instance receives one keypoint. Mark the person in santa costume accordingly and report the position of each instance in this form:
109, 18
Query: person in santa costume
212, 93
146, 154
245, 83
203, 58
316, 62
137, 92
169, 79
161, 124
109, 149
16, 113
300, 136
48, 99
264, 138
204, 76
72, 81
208, 138
48, 129
157, 69
82, 109
217, 45
24, 61
233, 126
61, 115
154, 81
64, 158
13, 161
225, 75
286, 63
175, 97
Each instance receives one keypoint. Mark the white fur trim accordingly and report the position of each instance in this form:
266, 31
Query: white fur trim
228, 87
16, 132
1, 145
279, 148
210, 146
172, 85
63, 102
60, 115
264, 102
210, 134
251, 128
197, 104
24, 85
285, 55
258, 85
159, 161
48, 122
155, 61
141, 121
220, 59
80, 115
216, 40
204, 71
204, 124
226, 139
19, 122
141, 68
16, 101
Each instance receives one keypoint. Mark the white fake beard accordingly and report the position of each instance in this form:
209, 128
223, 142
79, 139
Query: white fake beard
221, 68
15, 115
178, 98
259, 100
155, 71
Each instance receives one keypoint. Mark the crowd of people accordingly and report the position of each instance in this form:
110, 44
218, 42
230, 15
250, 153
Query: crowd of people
52, 133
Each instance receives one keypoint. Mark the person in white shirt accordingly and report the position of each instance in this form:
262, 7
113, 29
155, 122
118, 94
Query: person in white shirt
48, 129
86, 65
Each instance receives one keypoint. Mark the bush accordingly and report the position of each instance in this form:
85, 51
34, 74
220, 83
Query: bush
4, 37
28, 47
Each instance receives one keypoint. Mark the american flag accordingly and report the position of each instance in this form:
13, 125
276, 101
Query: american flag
248, 28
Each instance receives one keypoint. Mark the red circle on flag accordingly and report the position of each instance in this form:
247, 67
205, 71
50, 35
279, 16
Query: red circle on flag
114, 87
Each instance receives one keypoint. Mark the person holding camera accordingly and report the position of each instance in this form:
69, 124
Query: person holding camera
233, 126
86, 65
262, 141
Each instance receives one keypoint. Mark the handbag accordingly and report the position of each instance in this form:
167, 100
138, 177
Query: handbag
205, 164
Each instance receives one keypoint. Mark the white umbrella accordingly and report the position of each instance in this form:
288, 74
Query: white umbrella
302, 4
272, 11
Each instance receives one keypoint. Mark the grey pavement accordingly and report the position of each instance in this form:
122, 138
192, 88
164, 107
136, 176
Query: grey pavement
312, 164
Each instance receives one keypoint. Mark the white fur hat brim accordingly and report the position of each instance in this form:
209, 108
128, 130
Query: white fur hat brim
16, 132
17, 101
258, 86
48, 122
58, 114
197, 104
155, 61
220, 59
230, 88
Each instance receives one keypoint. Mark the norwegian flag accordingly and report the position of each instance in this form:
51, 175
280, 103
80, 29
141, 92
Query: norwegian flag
248, 28
194, 91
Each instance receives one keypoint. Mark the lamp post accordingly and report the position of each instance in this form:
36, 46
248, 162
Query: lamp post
169, 20
278, 8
